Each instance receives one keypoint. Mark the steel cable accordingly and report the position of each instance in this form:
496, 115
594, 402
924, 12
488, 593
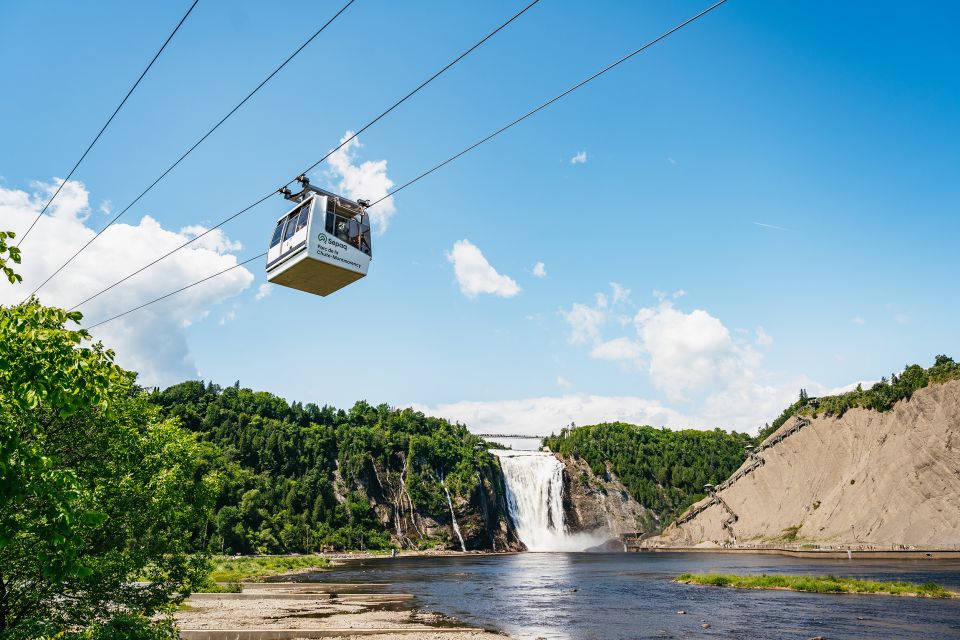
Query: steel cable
315, 164
109, 120
464, 151
195, 145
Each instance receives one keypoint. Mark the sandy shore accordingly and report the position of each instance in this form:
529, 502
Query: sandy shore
343, 611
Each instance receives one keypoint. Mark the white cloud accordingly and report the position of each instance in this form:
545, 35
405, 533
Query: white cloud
229, 316
620, 293
367, 180
215, 240
539, 270
580, 158
585, 322
689, 351
475, 275
671, 161
617, 349
691, 357
819, 390
549, 414
263, 291
764, 339
151, 341
106, 207
858, 320
563, 382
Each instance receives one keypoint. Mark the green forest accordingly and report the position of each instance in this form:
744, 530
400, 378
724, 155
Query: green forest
303, 478
663, 470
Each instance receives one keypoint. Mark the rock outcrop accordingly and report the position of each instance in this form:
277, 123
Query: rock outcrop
866, 478
599, 505
482, 519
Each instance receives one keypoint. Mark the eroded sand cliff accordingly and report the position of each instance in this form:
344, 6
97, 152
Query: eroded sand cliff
866, 478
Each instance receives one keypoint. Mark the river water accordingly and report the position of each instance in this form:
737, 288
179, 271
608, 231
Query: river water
614, 596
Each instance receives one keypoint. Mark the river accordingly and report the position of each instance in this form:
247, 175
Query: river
618, 596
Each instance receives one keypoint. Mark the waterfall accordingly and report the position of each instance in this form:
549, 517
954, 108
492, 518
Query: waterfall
534, 484
453, 516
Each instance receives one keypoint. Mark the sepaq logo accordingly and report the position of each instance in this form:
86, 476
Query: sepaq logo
332, 242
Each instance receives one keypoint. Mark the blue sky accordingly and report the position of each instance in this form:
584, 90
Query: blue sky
790, 168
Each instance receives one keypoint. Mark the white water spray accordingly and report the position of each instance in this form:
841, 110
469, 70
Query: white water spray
534, 484
453, 516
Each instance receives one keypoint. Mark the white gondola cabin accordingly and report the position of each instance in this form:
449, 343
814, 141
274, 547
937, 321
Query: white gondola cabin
321, 245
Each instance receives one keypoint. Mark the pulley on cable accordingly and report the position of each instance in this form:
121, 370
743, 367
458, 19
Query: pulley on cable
322, 244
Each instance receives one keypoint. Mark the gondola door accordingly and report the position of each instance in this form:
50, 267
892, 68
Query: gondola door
295, 233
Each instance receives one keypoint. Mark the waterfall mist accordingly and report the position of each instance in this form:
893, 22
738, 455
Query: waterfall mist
534, 484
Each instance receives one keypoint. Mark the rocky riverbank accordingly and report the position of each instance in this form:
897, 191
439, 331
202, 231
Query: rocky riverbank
281, 611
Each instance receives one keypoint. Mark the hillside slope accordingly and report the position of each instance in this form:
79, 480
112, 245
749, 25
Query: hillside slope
660, 469
300, 478
868, 477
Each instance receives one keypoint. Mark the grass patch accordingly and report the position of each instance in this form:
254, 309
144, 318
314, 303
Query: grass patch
818, 584
790, 533
254, 568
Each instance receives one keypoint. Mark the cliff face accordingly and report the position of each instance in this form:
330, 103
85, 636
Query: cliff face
599, 505
482, 518
865, 478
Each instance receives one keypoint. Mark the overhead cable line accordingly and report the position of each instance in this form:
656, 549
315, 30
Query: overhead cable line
315, 164
109, 120
195, 145
457, 155
173, 293
549, 102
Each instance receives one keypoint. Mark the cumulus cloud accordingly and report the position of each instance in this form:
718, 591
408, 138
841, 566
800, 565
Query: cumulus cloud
476, 275
617, 349
620, 293
263, 291
151, 341
584, 322
690, 356
689, 351
365, 180
539, 270
764, 339
580, 158
545, 415
216, 240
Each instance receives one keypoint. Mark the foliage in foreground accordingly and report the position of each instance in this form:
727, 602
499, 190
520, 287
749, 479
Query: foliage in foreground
94, 486
126, 626
817, 584
880, 397
664, 470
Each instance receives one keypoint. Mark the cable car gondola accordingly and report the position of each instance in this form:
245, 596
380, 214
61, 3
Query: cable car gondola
322, 244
